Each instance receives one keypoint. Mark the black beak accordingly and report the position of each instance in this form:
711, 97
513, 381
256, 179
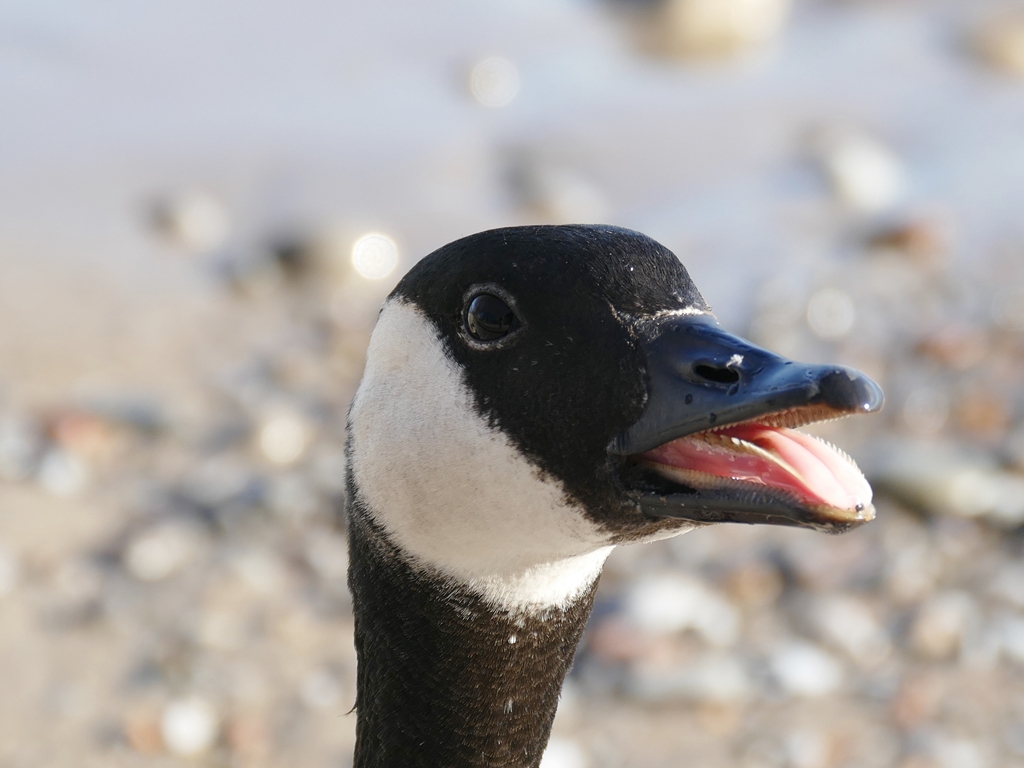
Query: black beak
700, 377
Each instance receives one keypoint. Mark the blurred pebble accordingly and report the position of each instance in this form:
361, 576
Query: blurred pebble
864, 173
320, 690
10, 571
809, 749
374, 255
20, 446
142, 729
194, 220
189, 726
494, 82
982, 412
710, 678
1007, 308
830, 313
1008, 583
162, 551
1012, 636
755, 584
564, 753
327, 469
284, 438
62, 473
327, 552
1000, 41
941, 624
672, 602
291, 497
262, 570
716, 28
956, 347
79, 579
922, 242
926, 411
919, 699
248, 736
847, 623
960, 753
940, 477
86, 435
803, 669
561, 195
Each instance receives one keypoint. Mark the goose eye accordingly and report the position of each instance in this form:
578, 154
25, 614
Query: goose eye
489, 318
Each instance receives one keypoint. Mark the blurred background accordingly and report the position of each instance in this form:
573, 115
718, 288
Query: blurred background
202, 206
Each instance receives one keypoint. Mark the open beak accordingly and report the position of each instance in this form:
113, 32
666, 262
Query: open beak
717, 442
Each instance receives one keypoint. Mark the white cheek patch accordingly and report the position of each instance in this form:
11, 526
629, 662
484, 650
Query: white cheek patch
451, 491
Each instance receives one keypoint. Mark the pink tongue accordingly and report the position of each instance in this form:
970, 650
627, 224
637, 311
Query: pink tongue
819, 474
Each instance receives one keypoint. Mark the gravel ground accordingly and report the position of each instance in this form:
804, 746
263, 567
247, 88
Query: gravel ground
175, 367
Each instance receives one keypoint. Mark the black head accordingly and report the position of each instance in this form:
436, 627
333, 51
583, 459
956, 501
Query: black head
569, 375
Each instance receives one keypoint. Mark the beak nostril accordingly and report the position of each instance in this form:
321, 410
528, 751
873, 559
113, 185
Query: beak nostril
719, 374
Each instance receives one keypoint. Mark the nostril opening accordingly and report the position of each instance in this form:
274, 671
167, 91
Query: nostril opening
719, 375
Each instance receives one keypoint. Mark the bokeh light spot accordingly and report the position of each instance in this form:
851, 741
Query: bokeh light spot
374, 256
494, 82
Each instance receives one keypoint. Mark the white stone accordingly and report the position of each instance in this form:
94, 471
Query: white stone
564, 753
284, 438
162, 551
189, 726
803, 669
672, 602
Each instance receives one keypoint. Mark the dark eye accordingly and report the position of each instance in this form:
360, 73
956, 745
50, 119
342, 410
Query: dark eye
489, 318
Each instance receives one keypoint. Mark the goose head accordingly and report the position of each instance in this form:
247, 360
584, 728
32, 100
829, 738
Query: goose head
534, 396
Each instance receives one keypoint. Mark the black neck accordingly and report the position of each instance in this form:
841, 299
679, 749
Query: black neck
439, 683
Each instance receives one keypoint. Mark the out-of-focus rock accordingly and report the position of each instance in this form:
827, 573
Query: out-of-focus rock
20, 445
922, 242
711, 29
284, 437
671, 602
62, 473
162, 550
807, 748
919, 699
87, 435
755, 584
189, 726
559, 194
327, 553
864, 173
261, 569
1012, 637
1008, 583
847, 623
958, 347
831, 313
712, 677
291, 497
941, 624
983, 412
321, 689
803, 669
194, 220
925, 411
1007, 309
248, 736
564, 753
1000, 40
10, 571
494, 82
142, 729
943, 479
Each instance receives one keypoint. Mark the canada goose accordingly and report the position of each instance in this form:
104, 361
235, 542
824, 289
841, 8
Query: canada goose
532, 397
